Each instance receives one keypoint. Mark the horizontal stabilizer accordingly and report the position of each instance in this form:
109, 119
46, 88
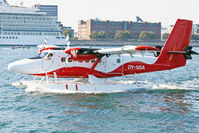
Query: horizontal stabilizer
187, 52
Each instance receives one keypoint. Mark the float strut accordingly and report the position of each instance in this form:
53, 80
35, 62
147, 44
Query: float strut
47, 78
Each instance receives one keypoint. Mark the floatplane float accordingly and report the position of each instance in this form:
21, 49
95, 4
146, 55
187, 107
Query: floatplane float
92, 66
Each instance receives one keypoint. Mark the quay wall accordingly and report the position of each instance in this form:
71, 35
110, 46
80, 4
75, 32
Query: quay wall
119, 43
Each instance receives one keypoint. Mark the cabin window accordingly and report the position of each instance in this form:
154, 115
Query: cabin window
87, 61
118, 60
69, 60
80, 61
63, 59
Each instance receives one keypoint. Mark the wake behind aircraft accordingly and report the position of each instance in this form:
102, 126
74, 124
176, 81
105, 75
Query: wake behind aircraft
94, 63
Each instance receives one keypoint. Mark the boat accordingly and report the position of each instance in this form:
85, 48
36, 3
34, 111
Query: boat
28, 26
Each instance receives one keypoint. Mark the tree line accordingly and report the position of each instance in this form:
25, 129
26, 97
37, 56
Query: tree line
68, 32
124, 35
194, 37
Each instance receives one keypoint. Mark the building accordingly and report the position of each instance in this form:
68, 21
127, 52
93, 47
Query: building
195, 29
50, 10
164, 30
28, 26
85, 28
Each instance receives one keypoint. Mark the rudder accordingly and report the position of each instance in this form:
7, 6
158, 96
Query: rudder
177, 41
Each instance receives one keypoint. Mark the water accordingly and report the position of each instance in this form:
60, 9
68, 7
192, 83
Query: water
170, 104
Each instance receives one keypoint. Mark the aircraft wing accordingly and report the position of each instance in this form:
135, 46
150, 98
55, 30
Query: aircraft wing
128, 50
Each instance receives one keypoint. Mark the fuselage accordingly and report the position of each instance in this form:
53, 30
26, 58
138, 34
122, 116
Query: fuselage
59, 63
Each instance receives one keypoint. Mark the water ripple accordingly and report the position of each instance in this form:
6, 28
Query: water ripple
170, 103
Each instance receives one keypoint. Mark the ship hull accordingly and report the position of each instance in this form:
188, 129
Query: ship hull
31, 40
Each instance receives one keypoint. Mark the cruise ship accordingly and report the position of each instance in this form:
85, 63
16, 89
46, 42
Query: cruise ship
28, 26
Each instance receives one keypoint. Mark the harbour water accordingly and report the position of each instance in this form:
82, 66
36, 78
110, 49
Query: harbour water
169, 104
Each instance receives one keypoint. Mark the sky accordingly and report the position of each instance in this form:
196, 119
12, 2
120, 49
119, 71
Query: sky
164, 11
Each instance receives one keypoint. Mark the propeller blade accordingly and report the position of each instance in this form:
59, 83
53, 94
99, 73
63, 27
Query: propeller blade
45, 41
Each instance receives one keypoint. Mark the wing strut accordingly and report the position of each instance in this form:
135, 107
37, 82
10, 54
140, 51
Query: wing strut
95, 63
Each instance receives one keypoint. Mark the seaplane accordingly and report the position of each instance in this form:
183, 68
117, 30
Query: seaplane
91, 67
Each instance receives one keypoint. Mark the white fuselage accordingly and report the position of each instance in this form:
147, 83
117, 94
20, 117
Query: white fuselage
60, 60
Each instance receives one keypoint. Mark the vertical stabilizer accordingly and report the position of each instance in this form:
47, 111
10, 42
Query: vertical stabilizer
178, 41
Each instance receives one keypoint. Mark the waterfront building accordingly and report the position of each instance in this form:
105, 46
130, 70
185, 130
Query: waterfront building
85, 28
28, 26
163, 31
195, 29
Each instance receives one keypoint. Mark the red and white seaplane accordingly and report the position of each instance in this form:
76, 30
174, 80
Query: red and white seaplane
91, 66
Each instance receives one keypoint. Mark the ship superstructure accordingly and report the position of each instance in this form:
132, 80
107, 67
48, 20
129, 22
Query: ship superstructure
28, 26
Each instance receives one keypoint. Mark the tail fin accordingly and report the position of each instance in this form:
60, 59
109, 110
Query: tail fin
177, 42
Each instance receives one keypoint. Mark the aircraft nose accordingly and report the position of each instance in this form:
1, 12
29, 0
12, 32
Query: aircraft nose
11, 67
16, 67
26, 66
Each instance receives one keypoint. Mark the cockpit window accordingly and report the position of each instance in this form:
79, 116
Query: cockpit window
50, 55
41, 55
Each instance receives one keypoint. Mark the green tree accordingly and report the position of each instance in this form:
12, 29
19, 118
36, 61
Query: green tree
98, 35
67, 32
101, 35
74, 38
93, 35
165, 36
194, 37
147, 36
123, 35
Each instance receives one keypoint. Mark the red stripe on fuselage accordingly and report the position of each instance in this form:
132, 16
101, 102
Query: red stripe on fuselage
126, 69
48, 48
